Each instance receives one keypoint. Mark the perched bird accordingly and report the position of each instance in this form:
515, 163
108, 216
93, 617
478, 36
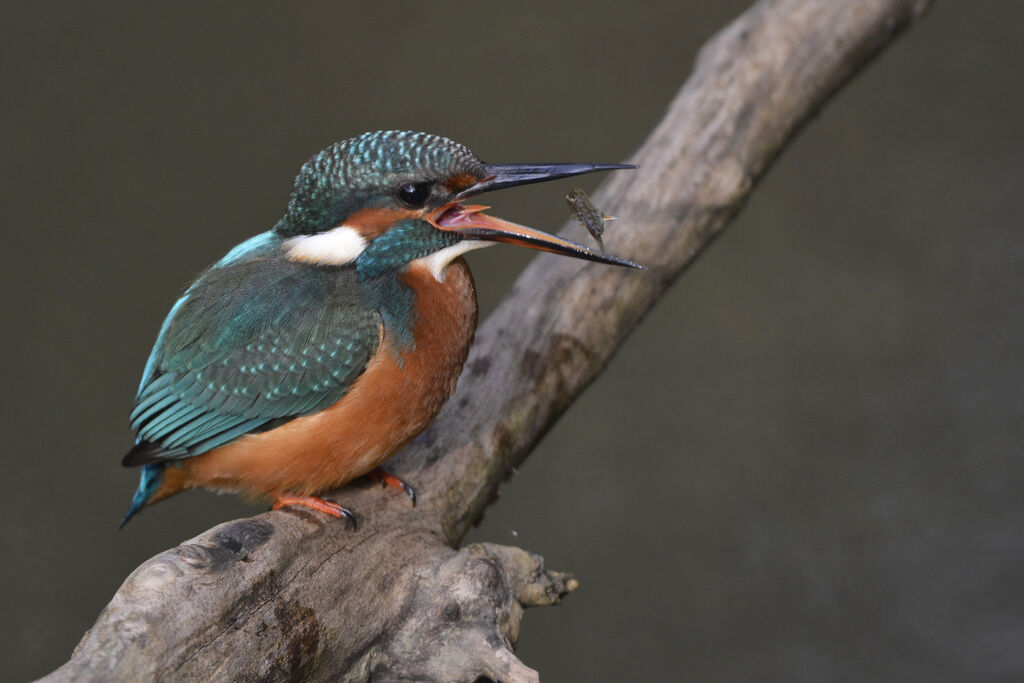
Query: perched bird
311, 353
589, 216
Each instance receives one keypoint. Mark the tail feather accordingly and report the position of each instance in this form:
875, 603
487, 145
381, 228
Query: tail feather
149, 480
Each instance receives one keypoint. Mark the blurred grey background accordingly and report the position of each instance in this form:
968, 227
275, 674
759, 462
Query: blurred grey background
805, 465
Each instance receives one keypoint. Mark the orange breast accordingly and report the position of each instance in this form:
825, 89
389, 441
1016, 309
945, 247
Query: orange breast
393, 401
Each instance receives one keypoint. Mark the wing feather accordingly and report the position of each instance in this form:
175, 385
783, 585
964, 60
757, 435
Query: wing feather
251, 345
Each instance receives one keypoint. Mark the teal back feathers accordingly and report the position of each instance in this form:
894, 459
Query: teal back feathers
253, 343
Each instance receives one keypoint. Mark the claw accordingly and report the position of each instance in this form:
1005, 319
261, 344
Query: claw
320, 505
392, 480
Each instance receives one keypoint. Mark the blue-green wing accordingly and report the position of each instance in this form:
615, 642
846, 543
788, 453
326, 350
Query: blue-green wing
249, 347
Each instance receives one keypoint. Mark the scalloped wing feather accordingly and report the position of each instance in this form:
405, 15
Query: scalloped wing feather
250, 346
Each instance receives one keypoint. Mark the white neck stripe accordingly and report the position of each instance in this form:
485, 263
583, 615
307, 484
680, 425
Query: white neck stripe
438, 262
335, 247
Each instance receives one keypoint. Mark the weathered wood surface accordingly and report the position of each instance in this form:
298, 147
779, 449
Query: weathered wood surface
292, 595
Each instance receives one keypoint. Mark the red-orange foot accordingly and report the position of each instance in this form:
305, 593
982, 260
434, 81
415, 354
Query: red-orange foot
392, 480
318, 504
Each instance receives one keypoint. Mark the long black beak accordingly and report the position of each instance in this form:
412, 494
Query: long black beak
510, 175
470, 221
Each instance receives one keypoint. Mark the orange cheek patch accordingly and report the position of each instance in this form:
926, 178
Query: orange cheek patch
373, 222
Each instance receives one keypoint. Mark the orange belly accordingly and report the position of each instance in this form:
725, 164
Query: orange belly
393, 401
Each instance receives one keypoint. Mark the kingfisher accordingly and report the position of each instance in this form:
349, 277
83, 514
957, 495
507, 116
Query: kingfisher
312, 352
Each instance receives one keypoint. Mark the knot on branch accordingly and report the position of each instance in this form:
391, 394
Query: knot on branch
463, 615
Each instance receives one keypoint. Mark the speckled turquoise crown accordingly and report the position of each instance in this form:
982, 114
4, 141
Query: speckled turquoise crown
364, 171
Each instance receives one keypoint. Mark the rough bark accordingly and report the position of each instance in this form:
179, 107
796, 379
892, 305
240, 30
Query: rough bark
293, 595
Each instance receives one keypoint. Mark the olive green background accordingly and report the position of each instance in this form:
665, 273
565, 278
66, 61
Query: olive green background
806, 464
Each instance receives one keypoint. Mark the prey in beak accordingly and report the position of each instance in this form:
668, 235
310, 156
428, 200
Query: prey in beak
469, 221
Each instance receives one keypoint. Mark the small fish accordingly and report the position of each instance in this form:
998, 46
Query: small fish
589, 216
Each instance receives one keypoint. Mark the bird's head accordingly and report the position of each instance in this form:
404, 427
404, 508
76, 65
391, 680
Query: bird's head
383, 200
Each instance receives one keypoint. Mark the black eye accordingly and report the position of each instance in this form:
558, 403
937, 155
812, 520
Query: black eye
414, 194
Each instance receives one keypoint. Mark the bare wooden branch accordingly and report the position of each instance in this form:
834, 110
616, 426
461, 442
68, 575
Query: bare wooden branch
291, 595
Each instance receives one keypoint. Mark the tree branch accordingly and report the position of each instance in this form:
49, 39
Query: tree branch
291, 595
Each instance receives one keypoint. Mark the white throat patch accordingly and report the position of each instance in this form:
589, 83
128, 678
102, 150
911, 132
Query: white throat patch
438, 262
335, 247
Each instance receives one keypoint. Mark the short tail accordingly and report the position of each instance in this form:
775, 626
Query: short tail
149, 480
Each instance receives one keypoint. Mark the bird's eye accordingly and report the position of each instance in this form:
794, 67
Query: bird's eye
414, 195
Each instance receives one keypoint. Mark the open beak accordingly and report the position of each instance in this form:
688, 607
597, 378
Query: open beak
469, 221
